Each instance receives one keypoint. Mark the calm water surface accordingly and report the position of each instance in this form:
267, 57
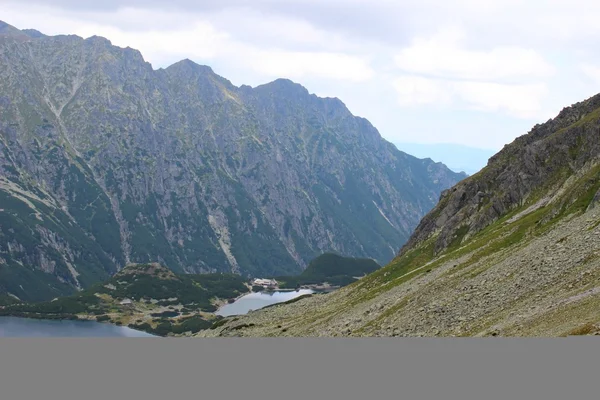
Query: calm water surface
255, 301
25, 327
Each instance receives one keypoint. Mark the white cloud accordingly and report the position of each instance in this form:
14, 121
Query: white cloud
200, 41
255, 27
441, 71
415, 90
592, 72
518, 100
323, 65
443, 55
522, 101
205, 39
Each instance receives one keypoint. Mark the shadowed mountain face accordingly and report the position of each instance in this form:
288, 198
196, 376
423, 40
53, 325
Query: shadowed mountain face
105, 161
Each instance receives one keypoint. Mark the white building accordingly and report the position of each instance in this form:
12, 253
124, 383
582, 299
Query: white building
265, 282
125, 302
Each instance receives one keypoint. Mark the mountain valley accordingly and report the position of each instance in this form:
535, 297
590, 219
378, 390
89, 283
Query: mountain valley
105, 161
513, 250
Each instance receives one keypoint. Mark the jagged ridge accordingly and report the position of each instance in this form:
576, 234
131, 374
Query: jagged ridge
106, 161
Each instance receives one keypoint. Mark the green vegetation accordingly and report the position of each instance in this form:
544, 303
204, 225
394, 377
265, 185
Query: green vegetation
220, 322
250, 244
292, 301
6, 300
85, 302
165, 314
181, 290
331, 268
192, 324
26, 222
242, 326
145, 284
192, 291
178, 327
222, 286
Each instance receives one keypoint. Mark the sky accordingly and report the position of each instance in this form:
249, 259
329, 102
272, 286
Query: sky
469, 72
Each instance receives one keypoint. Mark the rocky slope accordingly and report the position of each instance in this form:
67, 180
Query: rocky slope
106, 161
512, 251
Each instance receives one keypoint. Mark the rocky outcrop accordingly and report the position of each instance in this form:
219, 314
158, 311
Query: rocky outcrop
120, 163
534, 164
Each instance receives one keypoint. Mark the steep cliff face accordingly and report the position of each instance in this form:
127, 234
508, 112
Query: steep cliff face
531, 170
105, 161
512, 251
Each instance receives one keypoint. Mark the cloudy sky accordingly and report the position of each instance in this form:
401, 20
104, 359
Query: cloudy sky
472, 72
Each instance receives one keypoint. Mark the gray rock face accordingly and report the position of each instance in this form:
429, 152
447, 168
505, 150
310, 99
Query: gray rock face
105, 161
533, 167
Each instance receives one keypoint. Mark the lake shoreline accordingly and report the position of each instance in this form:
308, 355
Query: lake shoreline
13, 326
67, 317
220, 303
255, 301
144, 316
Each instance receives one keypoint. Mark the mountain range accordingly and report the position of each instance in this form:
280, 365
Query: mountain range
513, 250
105, 161
457, 157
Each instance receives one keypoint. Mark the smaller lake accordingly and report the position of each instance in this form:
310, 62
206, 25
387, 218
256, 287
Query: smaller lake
25, 327
258, 300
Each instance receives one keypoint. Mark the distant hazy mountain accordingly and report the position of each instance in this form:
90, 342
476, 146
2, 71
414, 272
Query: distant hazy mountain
457, 157
106, 161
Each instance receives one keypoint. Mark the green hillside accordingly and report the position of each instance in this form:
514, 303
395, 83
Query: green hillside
162, 302
330, 268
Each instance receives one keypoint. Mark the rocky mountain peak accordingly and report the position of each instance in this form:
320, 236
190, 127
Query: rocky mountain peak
530, 170
105, 161
33, 33
191, 66
284, 87
10, 32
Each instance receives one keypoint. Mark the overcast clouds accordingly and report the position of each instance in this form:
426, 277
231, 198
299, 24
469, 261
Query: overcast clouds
476, 72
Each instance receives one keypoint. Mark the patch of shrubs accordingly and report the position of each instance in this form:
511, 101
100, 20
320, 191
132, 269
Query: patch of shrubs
66, 305
218, 323
146, 327
192, 324
241, 326
166, 314
21, 314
